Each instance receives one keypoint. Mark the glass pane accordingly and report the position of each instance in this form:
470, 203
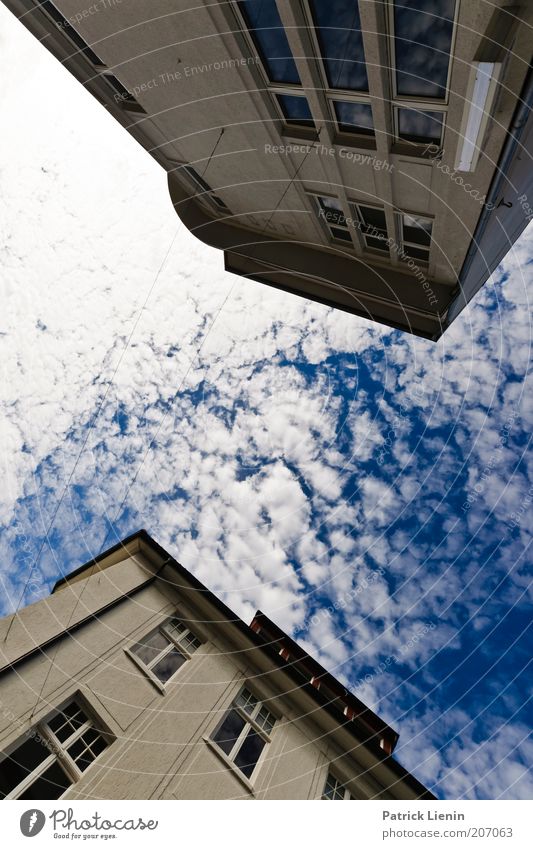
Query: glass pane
249, 752
150, 646
332, 209
416, 253
417, 230
333, 789
174, 625
354, 117
50, 785
190, 642
168, 665
339, 34
296, 109
229, 731
340, 234
18, 765
87, 748
265, 719
67, 27
268, 33
423, 35
376, 243
373, 217
246, 701
65, 723
420, 127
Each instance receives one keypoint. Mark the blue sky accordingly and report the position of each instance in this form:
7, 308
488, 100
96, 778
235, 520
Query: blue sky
368, 490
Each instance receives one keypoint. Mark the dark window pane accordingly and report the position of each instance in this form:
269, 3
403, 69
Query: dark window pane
423, 36
87, 748
420, 127
268, 33
377, 244
295, 109
354, 117
340, 234
333, 789
248, 754
229, 731
339, 34
20, 763
150, 646
67, 721
417, 253
417, 230
373, 217
50, 785
168, 665
66, 26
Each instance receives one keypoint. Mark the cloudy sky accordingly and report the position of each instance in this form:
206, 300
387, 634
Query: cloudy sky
293, 458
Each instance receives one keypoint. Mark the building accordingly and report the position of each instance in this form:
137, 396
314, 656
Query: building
373, 155
133, 681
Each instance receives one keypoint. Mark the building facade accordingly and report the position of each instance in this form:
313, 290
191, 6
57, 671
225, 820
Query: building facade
133, 681
374, 156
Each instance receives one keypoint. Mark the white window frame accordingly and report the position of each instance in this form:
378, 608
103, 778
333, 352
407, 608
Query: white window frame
59, 752
327, 225
273, 88
420, 99
332, 779
250, 720
355, 204
405, 244
422, 107
173, 643
349, 138
424, 104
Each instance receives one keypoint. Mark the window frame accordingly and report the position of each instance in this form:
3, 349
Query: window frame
347, 138
423, 104
376, 252
250, 723
327, 226
59, 749
273, 88
330, 778
402, 98
173, 643
408, 244
418, 145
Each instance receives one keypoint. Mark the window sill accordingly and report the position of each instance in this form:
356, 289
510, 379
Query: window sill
230, 765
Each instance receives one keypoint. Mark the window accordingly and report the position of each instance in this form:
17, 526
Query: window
165, 649
204, 189
422, 37
266, 29
338, 29
416, 236
53, 756
373, 227
420, 126
65, 25
354, 117
423, 32
335, 789
295, 109
330, 212
244, 732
